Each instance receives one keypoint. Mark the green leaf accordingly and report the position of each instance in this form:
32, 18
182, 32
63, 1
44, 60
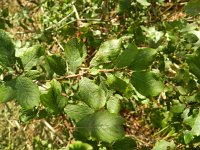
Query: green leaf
56, 86
195, 128
57, 64
125, 144
164, 145
194, 64
197, 38
27, 115
7, 50
188, 136
75, 53
119, 85
107, 52
78, 112
144, 2
34, 74
188, 29
116, 83
193, 7
114, 104
102, 126
191, 37
27, 93
92, 94
30, 56
53, 100
7, 93
78, 145
188, 120
177, 107
143, 59
146, 83
127, 56
181, 90
158, 118
152, 34
124, 5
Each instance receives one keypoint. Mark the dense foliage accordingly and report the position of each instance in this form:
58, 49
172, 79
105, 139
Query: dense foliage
90, 62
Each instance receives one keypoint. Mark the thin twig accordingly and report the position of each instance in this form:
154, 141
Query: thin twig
59, 44
75, 11
107, 70
59, 22
86, 71
66, 17
72, 76
79, 22
53, 130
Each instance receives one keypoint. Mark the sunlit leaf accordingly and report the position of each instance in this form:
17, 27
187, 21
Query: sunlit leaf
119, 85
7, 93
146, 83
78, 112
102, 126
188, 137
196, 38
75, 53
7, 50
30, 56
188, 120
78, 145
27, 93
107, 53
177, 107
189, 27
33, 74
53, 100
144, 2
164, 145
195, 128
153, 34
92, 94
114, 104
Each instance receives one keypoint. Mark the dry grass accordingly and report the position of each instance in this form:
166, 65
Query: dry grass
37, 134
12, 135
